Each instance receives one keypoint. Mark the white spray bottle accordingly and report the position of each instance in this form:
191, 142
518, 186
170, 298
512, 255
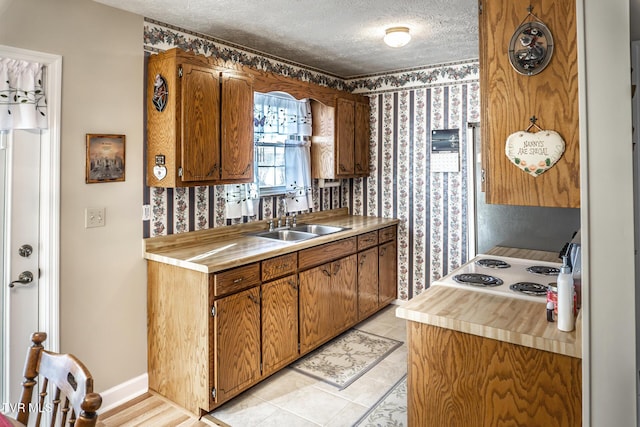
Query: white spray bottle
566, 320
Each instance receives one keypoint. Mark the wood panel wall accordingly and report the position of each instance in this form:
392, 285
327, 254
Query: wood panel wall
510, 99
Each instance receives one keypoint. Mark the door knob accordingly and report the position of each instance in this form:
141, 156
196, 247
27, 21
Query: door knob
24, 278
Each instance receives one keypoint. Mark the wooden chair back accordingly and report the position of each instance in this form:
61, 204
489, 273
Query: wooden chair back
66, 381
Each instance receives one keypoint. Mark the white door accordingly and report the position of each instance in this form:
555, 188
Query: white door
21, 249
29, 222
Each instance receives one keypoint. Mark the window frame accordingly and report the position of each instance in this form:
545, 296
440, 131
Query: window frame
269, 190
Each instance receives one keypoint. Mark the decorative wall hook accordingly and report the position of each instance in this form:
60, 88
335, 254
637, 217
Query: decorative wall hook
533, 120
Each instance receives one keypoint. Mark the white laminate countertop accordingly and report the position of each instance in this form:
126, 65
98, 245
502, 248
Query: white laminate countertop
214, 250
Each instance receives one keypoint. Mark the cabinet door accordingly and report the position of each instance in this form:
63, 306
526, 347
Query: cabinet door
200, 119
367, 282
509, 100
237, 342
315, 306
279, 323
362, 134
387, 273
344, 304
323, 164
237, 127
345, 124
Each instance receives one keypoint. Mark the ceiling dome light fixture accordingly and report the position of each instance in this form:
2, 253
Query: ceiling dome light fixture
397, 36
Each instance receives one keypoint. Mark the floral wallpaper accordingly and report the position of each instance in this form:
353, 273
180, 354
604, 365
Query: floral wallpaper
431, 206
405, 107
159, 36
439, 75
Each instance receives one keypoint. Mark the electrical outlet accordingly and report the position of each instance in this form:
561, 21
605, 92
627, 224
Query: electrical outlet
146, 212
94, 217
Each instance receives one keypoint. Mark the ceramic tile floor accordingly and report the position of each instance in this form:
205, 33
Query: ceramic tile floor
290, 398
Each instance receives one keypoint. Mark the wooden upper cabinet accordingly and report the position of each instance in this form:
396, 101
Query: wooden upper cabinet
237, 131
345, 128
362, 136
340, 141
510, 99
200, 119
203, 134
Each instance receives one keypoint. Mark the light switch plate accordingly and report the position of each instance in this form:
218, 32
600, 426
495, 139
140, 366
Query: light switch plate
94, 217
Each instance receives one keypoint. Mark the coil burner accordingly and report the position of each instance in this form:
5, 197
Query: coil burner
492, 263
543, 270
529, 288
477, 279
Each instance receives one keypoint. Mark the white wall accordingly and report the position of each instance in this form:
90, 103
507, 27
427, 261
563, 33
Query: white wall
103, 278
607, 213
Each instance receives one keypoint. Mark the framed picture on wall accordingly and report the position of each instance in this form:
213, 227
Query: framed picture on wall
105, 158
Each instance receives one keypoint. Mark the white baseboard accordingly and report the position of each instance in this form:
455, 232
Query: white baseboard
124, 392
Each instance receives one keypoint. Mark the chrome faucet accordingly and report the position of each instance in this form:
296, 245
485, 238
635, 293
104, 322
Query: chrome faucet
283, 202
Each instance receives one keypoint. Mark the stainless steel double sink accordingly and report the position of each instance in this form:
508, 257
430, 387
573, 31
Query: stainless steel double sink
300, 232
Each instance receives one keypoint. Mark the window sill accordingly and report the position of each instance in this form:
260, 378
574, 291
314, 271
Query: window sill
275, 191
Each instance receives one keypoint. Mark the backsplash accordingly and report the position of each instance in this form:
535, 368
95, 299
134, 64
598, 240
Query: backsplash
405, 107
179, 210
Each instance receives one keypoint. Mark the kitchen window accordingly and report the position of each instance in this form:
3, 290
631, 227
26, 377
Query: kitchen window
282, 140
282, 125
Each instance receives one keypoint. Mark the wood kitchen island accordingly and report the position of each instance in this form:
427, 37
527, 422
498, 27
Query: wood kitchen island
478, 359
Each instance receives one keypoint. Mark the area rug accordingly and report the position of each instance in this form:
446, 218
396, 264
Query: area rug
346, 358
391, 409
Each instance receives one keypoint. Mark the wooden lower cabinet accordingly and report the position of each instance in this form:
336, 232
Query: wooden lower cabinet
458, 379
202, 349
237, 342
328, 301
345, 292
387, 273
279, 323
367, 283
212, 336
179, 339
315, 306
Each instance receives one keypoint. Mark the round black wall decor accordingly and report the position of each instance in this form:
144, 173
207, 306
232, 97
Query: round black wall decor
531, 48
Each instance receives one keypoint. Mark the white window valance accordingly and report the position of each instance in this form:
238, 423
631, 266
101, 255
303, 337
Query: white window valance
22, 95
281, 114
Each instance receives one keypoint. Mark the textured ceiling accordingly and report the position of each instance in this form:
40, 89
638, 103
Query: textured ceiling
343, 38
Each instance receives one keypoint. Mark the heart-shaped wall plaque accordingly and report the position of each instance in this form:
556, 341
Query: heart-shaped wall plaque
534, 153
159, 172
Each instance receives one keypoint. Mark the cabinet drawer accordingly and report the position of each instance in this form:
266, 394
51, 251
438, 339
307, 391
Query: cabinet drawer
328, 252
279, 266
387, 234
234, 280
367, 240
